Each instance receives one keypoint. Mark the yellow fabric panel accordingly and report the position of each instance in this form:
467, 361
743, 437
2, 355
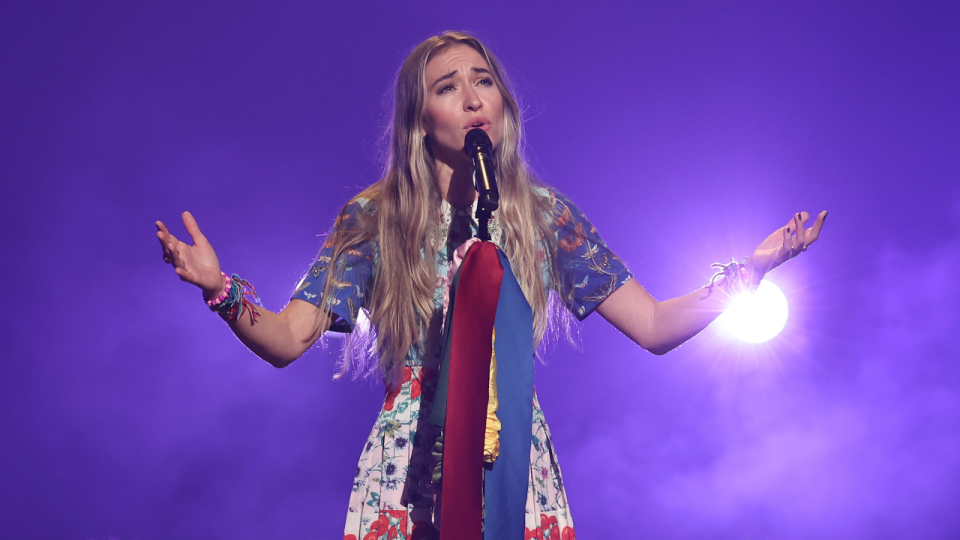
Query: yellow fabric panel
491, 436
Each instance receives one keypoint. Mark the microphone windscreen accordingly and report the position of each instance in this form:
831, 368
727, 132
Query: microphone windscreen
476, 139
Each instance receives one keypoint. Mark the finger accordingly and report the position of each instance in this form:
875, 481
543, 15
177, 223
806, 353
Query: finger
786, 248
192, 228
171, 250
789, 231
183, 273
163, 234
802, 218
791, 225
813, 233
167, 241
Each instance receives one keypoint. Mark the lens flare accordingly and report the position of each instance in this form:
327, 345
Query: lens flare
757, 317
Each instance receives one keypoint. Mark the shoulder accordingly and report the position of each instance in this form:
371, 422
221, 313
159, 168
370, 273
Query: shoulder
356, 210
565, 214
356, 223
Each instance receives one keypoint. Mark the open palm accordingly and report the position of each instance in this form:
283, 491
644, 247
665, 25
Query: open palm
197, 264
784, 244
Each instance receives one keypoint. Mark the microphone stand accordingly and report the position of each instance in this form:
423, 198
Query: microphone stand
483, 213
480, 150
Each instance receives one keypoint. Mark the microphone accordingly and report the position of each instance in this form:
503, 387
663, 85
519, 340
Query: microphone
478, 147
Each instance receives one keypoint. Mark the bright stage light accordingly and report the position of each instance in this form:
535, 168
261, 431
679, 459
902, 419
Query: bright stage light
757, 317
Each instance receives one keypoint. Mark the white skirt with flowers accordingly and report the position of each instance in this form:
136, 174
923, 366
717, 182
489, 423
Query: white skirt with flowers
393, 495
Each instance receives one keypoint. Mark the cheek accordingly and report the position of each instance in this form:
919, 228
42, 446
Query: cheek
426, 122
435, 122
501, 126
445, 122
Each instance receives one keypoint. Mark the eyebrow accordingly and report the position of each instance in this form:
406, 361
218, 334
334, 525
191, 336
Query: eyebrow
454, 72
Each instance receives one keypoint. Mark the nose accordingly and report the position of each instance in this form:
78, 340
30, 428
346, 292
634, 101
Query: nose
471, 101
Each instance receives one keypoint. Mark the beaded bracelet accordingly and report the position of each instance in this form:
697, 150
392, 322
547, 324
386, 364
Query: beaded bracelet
226, 291
231, 303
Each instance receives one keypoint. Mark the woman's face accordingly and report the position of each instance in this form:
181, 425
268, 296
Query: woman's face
461, 95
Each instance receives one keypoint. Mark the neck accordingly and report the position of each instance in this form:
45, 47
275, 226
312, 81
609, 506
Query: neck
456, 181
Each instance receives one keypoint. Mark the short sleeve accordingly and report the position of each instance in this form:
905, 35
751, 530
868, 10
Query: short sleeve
589, 272
352, 281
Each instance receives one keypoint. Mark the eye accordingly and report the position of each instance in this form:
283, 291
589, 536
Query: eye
445, 88
487, 81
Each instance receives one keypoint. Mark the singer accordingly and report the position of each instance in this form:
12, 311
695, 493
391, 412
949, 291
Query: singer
405, 251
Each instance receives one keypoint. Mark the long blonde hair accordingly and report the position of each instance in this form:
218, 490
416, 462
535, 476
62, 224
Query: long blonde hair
402, 214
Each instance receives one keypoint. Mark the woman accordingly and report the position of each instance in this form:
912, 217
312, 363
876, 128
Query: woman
392, 247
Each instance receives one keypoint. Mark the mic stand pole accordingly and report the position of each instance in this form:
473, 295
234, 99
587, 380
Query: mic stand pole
483, 221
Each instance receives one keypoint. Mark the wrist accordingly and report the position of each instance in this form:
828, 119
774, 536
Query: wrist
233, 302
218, 291
752, 276
732, 278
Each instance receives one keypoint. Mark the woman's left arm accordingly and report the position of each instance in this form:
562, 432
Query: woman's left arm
660, 327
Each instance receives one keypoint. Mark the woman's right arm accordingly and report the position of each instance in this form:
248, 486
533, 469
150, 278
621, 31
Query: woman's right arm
278, 338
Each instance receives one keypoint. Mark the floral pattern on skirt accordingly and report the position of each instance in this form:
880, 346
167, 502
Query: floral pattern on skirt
392, 496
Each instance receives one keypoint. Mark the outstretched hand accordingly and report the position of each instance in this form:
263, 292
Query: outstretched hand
784, 244
197, 264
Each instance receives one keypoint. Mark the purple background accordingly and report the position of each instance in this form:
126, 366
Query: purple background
687, 131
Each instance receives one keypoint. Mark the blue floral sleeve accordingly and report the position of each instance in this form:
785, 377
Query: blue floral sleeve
351, 282
589, 272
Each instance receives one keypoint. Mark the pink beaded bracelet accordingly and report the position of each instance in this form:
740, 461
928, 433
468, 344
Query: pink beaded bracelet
226, 292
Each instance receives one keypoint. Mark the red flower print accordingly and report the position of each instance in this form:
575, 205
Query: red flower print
565, 217
573, 241
568, 534
330, 240
378, 528
415, 389
392, 394
350, 537
388, 401
400, 515
554, 532
546, 521
533, 534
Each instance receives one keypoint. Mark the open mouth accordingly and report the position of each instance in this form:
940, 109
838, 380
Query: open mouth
478, 122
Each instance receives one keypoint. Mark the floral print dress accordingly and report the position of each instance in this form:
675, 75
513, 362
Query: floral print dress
393, 494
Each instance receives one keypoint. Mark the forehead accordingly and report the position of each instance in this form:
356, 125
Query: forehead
457, 57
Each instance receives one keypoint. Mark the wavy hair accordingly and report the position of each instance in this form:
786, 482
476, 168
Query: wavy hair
402, 215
